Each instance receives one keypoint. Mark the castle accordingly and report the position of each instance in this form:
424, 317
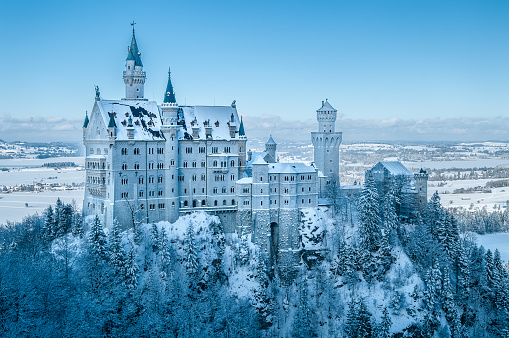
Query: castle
148, 163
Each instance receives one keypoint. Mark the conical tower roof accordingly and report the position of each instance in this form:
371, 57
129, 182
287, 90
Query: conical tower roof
241, 128
85, 124
134, 53
112, 121
169, 95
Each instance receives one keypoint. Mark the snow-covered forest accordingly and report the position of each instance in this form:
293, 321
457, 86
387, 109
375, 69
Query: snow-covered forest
363, 273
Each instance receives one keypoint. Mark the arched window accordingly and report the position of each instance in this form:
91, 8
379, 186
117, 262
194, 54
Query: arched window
215, 203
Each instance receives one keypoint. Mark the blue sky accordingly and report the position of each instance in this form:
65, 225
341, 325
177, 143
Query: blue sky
373, 60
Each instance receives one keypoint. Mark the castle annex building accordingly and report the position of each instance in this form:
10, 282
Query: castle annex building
147, 163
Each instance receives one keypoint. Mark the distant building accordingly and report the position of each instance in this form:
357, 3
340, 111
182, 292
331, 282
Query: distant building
412, 188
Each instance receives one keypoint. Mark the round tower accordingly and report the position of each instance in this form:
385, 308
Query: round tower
326, 142
134, 76
421, 184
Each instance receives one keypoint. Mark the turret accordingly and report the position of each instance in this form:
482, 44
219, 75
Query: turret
270, 148
85, 124
232, 126
326, 117
112, 127
134, 76
421, 184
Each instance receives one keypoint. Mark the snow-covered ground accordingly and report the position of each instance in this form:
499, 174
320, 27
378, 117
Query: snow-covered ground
498, 196
18, 176
498, 241
12, 206
38, 162
477, 163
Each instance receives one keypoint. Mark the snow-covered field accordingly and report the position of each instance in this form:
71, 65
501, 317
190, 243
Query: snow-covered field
12, 206
498, 241
498, 196
18, 176
478, 163
29, 162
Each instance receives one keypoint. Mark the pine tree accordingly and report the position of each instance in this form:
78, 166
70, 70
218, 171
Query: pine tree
49, 224
58, 210
78, 229
352, 325
369, 216
462, 276
384, 257
384, 329
97, 239
488, 287
191, 257
364, 320
433, 214
164, 251
154, 236
131, 271
65, 220
117, 253
432, 296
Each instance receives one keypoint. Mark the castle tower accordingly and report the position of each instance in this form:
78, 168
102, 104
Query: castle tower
170, 129
421, 184
270, 148
134, 76
326, 142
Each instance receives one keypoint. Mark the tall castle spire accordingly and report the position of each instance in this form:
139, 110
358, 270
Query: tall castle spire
134, 76
169, 95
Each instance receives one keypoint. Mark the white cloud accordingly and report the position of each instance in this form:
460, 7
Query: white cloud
391, 129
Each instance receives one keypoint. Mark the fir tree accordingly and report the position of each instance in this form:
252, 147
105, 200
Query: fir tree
65, 220
154, 237
191, 257
117, 253
78, 229
384, 329
369, 216
97, 239
49, 225
433, 214
131, 271
164, 251
384, 256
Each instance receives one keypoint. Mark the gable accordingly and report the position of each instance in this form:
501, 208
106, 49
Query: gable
96, 129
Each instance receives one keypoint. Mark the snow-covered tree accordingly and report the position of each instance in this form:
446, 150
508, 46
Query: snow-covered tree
369, 216
117, 253
47, 232
97, 239
384, 328
131, 270
78, 229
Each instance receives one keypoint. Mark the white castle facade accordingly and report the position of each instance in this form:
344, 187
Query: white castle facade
148, 163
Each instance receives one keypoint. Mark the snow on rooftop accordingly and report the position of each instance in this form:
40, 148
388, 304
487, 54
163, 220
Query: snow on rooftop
290, 168
396, 168
145, 115
326, 107
217, 116
245, 180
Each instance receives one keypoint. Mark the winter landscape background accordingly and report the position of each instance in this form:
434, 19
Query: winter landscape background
364, 274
